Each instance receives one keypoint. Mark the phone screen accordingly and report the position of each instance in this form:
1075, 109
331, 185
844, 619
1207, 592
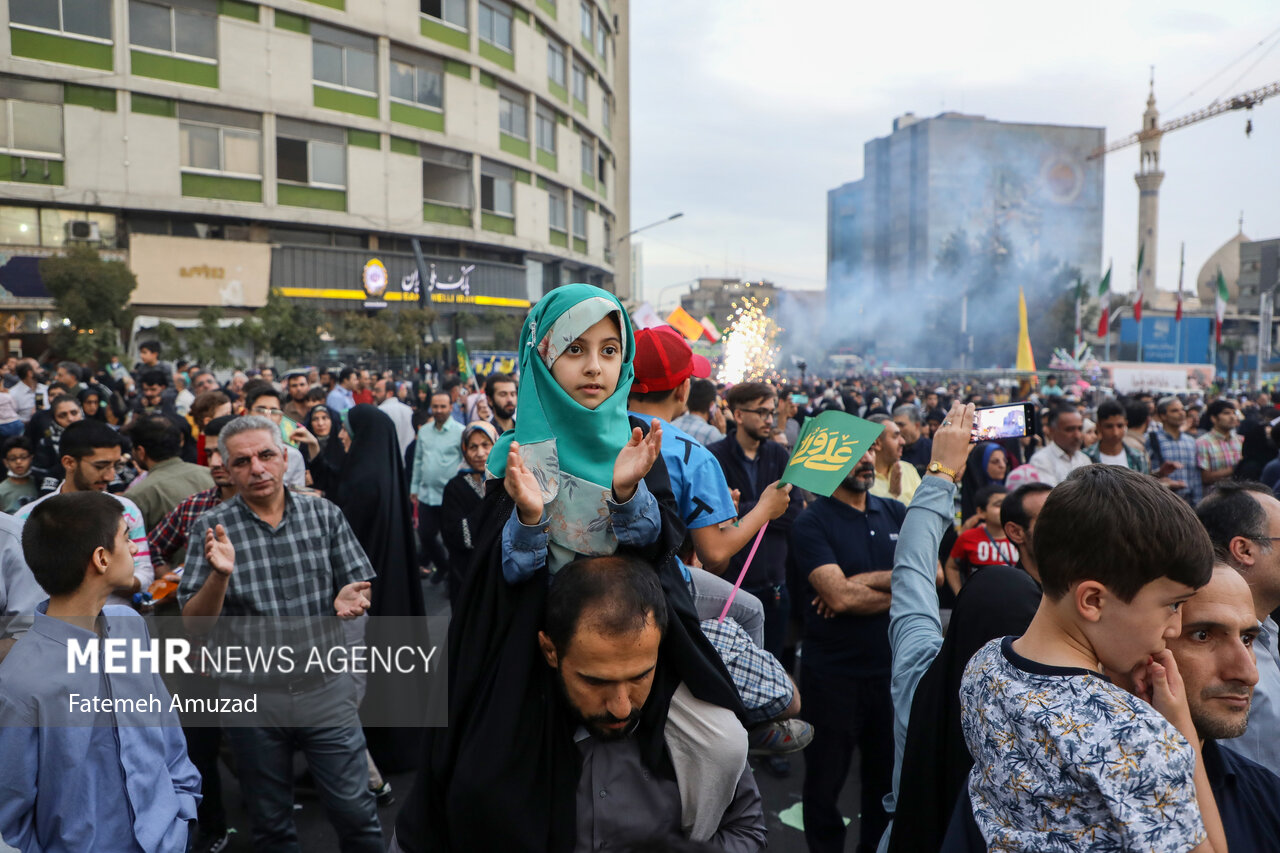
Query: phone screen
1000, 422
287, 427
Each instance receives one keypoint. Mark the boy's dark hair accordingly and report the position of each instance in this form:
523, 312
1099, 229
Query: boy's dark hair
82, 438
150, 346
702, 395
494, 380
316, 395
213, 427
207, 402
983, 496
619, 591
17, 442
157, 435
1230, 510
1136, 414
61, 534
153, 376
1110, 409
1120, 528
251, 397
1014, 508
745, 392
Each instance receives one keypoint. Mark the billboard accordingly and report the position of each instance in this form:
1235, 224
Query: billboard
1160, 339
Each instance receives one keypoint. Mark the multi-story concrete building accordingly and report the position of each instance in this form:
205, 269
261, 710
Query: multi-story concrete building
332, 131
935, 177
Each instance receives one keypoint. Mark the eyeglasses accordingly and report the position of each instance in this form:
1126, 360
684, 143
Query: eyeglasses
765, 414
265, 410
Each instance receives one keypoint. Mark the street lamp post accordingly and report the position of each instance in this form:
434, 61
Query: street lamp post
670, 218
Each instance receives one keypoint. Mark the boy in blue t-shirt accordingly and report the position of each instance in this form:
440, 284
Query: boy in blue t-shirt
1064, 759
93, 756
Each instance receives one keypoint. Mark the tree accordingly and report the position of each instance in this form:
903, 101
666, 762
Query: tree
93, 295
286, 329
385, 334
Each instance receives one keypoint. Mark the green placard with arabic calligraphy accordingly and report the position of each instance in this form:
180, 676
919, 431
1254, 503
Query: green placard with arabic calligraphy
826, 450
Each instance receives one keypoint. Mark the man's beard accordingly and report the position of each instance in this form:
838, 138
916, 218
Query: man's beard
861, 478
763, 434
596, 724
83, 483
1215, 728
505, 412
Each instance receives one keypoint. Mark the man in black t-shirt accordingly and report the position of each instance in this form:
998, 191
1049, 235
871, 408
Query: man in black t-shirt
843, 549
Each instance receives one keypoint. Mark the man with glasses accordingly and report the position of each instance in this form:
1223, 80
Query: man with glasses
751, 464
264, 401
91, 451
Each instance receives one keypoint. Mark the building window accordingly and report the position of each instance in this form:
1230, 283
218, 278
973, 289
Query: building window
219, 140
313, 155
497, 188
588, 156
546, 122
187, 32
556, 63
450, 11
29, 128
495, 24
579, 219
602, 166
579, 82
606, 110
602, 36
513, 115
446, 176
343, 60
585, 18
557, 209
90, 18
418, 81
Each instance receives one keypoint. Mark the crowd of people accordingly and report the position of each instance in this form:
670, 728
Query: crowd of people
1059, 641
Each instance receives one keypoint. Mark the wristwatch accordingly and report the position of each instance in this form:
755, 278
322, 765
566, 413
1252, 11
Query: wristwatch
939, 468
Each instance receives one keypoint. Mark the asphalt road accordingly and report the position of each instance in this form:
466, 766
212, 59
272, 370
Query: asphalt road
781, 795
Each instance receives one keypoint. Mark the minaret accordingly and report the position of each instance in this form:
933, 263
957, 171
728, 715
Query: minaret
1148, 178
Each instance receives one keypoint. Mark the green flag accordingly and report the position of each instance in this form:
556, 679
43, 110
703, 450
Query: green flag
464, 363
827, 449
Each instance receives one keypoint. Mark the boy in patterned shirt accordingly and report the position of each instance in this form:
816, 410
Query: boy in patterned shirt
1064, 759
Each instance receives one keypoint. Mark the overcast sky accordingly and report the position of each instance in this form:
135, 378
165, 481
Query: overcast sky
745, 112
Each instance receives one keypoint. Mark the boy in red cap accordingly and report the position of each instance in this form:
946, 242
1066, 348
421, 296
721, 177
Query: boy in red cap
665, 366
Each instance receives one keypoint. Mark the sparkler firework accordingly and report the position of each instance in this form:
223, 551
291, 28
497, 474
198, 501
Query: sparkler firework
749, 350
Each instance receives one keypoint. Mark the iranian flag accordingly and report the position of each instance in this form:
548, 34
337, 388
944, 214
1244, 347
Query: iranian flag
1220, 306
709, 326
1137, 306
1079, 313
1104, 303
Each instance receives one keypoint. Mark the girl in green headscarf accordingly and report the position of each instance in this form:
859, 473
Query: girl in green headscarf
574, 465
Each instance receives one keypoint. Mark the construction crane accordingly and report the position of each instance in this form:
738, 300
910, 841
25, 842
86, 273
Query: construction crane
1245, 101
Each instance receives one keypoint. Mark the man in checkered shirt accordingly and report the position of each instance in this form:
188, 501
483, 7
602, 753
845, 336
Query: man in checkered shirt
269, 561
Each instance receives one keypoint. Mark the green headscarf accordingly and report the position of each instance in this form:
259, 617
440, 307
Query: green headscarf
570, 449
590, 439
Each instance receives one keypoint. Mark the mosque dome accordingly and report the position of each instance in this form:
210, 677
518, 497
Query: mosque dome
1227, 259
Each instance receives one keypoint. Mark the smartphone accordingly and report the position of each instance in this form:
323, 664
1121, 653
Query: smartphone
1015, 420
800, 399
287, 427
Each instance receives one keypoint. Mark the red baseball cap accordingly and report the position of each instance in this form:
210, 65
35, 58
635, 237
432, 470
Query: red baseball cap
664, 360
